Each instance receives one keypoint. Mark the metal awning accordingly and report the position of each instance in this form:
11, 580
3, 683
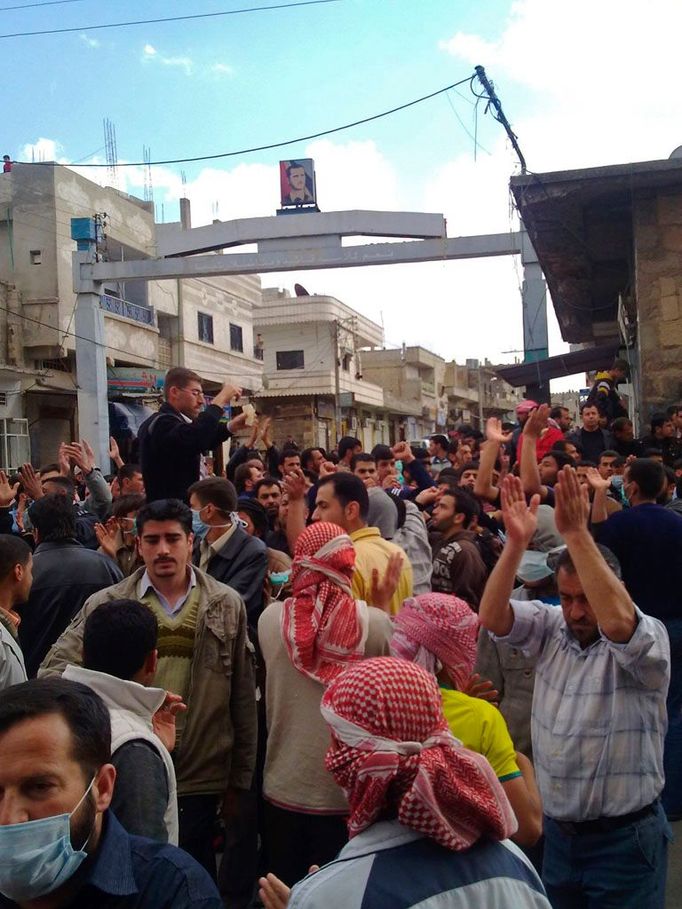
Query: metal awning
541, 371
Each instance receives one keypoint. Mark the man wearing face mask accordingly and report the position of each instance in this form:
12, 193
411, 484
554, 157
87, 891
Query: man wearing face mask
203, 655
222, 548
60, 845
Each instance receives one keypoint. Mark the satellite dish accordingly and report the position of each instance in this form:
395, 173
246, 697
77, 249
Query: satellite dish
676, 152
300, 291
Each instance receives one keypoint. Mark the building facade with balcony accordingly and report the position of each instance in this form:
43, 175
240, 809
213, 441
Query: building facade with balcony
315, 385
204, 324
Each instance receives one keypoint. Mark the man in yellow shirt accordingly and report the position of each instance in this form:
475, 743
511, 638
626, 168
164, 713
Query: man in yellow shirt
342, 499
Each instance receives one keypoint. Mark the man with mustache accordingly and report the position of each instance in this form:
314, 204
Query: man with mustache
204, 656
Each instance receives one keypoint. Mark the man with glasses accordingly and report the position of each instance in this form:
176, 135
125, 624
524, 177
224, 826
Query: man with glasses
172, 440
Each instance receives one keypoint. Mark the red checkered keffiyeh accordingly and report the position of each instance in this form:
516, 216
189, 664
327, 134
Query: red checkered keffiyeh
323, 626
393, 755
437, 626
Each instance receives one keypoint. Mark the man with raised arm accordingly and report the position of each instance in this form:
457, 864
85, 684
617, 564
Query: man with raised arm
598, 719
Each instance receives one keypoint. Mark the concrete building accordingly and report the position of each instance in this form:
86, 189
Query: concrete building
609, 240
475, 392
204, 324
316, 385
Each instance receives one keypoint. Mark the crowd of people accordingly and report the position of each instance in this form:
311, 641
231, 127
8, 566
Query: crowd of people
437, 677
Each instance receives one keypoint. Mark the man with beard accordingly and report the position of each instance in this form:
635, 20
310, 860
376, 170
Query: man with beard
204, 656
60, 845
458, 567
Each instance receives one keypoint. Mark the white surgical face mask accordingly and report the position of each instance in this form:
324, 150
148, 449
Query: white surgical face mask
37, 857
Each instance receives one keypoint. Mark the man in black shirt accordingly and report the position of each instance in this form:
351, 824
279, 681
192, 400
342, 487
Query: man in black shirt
590, 437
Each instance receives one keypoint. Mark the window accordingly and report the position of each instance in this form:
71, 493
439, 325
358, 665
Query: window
289, 359
36, 256
14, 444
205, 327
236, 338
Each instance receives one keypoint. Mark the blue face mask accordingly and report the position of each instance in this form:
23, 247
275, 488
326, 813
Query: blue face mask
201, 528
617, 481
37, 857
279, 577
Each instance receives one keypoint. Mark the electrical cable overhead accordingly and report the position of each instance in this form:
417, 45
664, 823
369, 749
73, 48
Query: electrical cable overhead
132, 22
42, 3
258, 148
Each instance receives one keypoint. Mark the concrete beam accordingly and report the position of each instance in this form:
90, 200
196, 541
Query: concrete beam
224, 234
474, 247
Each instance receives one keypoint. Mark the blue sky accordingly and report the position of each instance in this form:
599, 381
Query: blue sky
581, 82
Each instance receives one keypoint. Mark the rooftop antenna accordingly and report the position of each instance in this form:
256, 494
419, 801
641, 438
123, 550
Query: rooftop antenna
183, 177
495, 108
148, 185
111, 152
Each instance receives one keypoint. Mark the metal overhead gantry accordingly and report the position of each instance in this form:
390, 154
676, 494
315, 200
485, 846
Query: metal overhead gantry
294, 243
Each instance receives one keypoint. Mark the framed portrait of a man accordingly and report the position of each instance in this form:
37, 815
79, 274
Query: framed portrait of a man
297, 182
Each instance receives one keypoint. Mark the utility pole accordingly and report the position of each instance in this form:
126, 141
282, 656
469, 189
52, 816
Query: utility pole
91, 367
337, 381
480, 397
498, 113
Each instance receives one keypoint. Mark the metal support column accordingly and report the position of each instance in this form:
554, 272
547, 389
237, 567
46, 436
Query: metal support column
534, 303
91, 366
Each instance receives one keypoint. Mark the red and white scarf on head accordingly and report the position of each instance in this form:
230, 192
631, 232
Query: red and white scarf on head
393, 754
437, 626
324, 628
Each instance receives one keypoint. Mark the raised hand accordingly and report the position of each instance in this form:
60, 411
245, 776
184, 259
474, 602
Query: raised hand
63, 459
164, 721
21, 511
537, 421
327, 468
520, 519
107, 540
114, 452
273, 893
403, 452
596, 480
7, 492
265, 425
295, 485
494, 432
383, 589
476, 687
31, 482
572, 503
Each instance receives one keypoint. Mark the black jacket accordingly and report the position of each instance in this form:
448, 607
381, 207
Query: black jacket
170, 449
65, 574
241, 564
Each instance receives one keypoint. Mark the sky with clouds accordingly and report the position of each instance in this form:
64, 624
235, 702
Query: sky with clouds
583, 83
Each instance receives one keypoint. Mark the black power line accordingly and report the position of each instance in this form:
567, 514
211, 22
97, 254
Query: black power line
43, 3
229, 12
258, 148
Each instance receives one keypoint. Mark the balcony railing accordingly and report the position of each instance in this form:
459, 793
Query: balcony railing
143, 314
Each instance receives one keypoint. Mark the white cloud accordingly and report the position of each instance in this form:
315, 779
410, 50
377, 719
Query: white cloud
41, 150
90, 42
222, 69
150, 53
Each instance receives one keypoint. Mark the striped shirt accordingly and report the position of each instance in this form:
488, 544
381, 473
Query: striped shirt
598, 718
388, 865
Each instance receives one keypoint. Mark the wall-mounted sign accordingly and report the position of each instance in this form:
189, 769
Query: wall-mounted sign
126, 380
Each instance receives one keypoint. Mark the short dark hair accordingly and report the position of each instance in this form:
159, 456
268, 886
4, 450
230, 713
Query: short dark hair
453, 446
118, 637
562, 445
289, 453
471, 465
83, 711
257, 513
165, 510
583, 463
307, 453
242, 475
648, 475
588, 404
263, 483
346, 444
123, 505
464, 504
448, 475
48, 468
53, 517
556, 411
348, 488
127, 472
65, 483
439, 439
652, 453
361, 456
179, 377
561, 458
609, 453
620, 423
216, 491
13, 551
382, 453
564, 560
673, 410
658, 419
